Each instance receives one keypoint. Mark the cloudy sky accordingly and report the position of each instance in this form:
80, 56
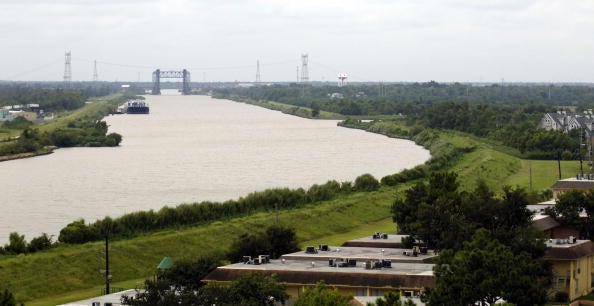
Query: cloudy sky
370, 40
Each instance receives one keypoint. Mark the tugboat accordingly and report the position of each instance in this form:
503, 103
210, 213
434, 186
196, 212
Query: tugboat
136, 107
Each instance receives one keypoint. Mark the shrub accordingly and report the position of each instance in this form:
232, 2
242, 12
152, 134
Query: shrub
561, 297
366, 182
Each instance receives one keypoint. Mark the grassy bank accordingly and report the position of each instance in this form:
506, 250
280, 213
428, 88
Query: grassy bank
72, 272
299, 111
72, 128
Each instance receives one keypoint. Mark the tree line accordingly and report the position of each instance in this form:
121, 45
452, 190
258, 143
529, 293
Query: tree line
132, 224
508, 114
51, 98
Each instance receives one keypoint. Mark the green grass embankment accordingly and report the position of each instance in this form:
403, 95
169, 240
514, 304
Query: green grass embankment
71, 268
95, 109
72, 272
299, 111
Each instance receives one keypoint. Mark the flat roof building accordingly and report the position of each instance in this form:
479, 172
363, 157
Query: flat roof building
364, 253
361, 278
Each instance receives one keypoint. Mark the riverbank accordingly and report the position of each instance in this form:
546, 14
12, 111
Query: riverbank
80, 127
299, 111
44, 151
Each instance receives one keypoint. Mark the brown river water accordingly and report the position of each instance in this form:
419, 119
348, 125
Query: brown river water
189, 149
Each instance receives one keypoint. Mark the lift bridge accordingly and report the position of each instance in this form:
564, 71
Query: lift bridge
184, 75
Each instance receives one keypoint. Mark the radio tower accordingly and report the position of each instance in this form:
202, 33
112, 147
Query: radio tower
67, 70
258, 71
95, 77
304, 71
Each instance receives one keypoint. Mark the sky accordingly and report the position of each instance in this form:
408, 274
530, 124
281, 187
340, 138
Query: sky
369, 40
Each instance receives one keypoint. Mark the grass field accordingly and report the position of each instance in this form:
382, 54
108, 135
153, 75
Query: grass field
71, 273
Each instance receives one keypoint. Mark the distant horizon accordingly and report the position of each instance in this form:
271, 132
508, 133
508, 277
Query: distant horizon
314, 82
534, 41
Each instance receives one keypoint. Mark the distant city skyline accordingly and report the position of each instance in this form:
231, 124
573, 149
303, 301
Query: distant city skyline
544, 41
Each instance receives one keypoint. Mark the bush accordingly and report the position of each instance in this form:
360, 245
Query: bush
40, 243
77, 232
366, 182
562, 297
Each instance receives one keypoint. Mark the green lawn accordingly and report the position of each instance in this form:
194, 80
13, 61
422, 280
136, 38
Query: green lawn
544, 173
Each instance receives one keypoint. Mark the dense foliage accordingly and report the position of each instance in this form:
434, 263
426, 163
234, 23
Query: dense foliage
486, 271
507, 114
186, 274
248, 289
18, 245
392, 299
190, 214
570, 204
440, 216
275, 241
320, 295
78, 133
50, 98
7, 298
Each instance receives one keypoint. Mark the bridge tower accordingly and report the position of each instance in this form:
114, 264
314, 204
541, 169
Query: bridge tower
186, 90
156, 82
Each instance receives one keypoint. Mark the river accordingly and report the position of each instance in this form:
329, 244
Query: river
189, 149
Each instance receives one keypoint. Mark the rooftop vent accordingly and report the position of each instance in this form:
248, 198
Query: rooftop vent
310, 250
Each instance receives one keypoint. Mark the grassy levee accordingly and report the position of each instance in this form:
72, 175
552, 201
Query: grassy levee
96, 109
71, 268
300, 111
70, 273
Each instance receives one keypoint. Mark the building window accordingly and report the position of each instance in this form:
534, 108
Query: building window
561, 283
361, 291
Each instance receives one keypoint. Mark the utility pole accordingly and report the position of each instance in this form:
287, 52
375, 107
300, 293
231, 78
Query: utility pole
559, 162
530, 167
107, 276
581, 156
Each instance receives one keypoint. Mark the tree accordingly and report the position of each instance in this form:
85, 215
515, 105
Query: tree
187, 274
254, 289
40, 243
569, 206
157, 293
321, 295
392, 299
275, 241
432, 212
7, 298
366, 182
16, 243
247, 289
485, 271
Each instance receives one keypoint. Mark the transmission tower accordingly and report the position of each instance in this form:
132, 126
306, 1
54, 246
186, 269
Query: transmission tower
95, 77
304, 70
258, 71
67, 70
